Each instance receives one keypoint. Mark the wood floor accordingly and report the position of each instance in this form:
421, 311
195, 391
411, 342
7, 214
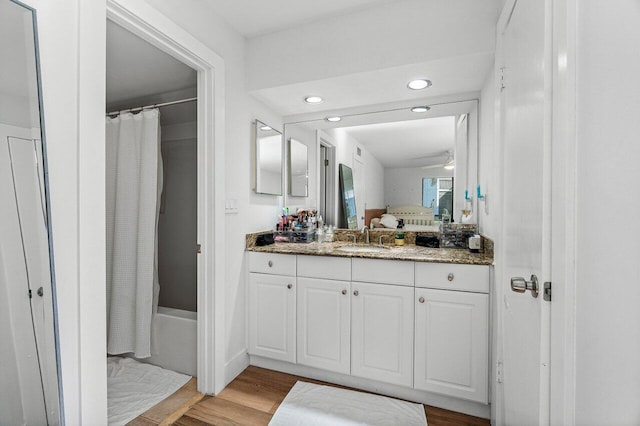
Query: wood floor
252, 399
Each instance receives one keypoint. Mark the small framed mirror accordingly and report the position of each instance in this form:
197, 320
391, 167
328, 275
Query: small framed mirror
349, 213
268, 159
298, 168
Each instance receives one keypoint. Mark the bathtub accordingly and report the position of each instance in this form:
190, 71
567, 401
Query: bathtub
176, 341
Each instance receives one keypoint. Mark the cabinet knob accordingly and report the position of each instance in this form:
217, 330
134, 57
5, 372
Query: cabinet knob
289, 286
450, 276
421, 300
344, 291
270, 263
355, 293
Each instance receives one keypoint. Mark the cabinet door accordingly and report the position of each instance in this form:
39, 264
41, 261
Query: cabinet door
272, 316
452, 343
382, 333
324, 324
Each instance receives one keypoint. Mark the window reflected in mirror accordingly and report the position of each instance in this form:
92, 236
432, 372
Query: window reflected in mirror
437, 193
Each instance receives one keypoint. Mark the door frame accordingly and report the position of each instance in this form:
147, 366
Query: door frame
155, 28
323, 139
560, 105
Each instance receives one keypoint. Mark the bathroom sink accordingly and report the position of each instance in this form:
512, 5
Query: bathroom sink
362, 249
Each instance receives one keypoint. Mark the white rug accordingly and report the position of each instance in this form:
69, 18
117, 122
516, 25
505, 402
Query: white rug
315, 405
134, 387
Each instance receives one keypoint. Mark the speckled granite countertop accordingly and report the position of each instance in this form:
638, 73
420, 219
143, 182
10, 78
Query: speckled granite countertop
408, 252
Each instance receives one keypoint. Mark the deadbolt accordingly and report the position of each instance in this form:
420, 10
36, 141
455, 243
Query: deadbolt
520, 285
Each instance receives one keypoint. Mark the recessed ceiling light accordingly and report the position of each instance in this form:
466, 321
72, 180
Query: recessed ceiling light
419, 84
334, 119
313, 99
265, 128
420, 109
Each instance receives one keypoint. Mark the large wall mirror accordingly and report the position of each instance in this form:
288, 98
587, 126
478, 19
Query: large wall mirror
268, 159
29, 385
398, 158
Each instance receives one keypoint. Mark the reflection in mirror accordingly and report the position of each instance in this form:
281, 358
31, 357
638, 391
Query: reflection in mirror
391, 152
29, 370
437, 194
298, 172
348, 206
268, 159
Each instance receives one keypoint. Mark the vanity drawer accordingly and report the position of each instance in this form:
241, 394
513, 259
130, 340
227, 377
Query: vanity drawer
398, 272
271, 263
447, 276
329, 268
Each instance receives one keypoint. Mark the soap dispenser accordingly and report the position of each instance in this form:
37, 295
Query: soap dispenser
400, 233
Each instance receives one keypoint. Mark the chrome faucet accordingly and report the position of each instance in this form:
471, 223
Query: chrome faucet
365, 231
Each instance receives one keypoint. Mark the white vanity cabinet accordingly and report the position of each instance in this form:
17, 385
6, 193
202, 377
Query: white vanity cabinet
324, 313
324, 333
272, 306
382, 332
452, 330
423, 326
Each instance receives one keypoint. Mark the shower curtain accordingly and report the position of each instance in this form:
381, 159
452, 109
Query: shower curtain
133, 188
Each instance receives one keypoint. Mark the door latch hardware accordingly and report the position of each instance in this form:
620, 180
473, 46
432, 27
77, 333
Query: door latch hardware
40, 292
520, 285
546, 293
199, 248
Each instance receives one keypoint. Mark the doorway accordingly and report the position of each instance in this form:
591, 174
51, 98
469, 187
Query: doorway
153, 27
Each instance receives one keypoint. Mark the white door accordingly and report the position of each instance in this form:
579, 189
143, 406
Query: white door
452, 339
272, 316
525, 226
324, 324
382, 333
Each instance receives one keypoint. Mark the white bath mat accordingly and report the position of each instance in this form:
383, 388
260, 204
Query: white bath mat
315, 405
134, 387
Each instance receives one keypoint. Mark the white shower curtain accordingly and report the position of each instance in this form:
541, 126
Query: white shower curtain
133, 187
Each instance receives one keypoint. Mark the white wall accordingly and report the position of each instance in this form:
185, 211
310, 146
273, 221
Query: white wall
403, 186
72, 53
379, 37
177, 233
607, 315
255, 211
488, 159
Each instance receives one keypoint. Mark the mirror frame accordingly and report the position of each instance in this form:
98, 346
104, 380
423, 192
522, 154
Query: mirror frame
258, 179
291, 190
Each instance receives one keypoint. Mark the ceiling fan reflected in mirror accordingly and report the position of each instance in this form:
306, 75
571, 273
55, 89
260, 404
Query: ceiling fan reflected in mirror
444, 160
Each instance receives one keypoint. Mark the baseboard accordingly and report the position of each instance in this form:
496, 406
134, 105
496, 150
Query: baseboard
441, 401
236, 365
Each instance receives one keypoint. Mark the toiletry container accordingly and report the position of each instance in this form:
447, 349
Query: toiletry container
400, 233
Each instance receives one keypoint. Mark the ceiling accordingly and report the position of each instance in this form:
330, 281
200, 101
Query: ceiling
412, 143
138, 72
455, 75
252, 18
